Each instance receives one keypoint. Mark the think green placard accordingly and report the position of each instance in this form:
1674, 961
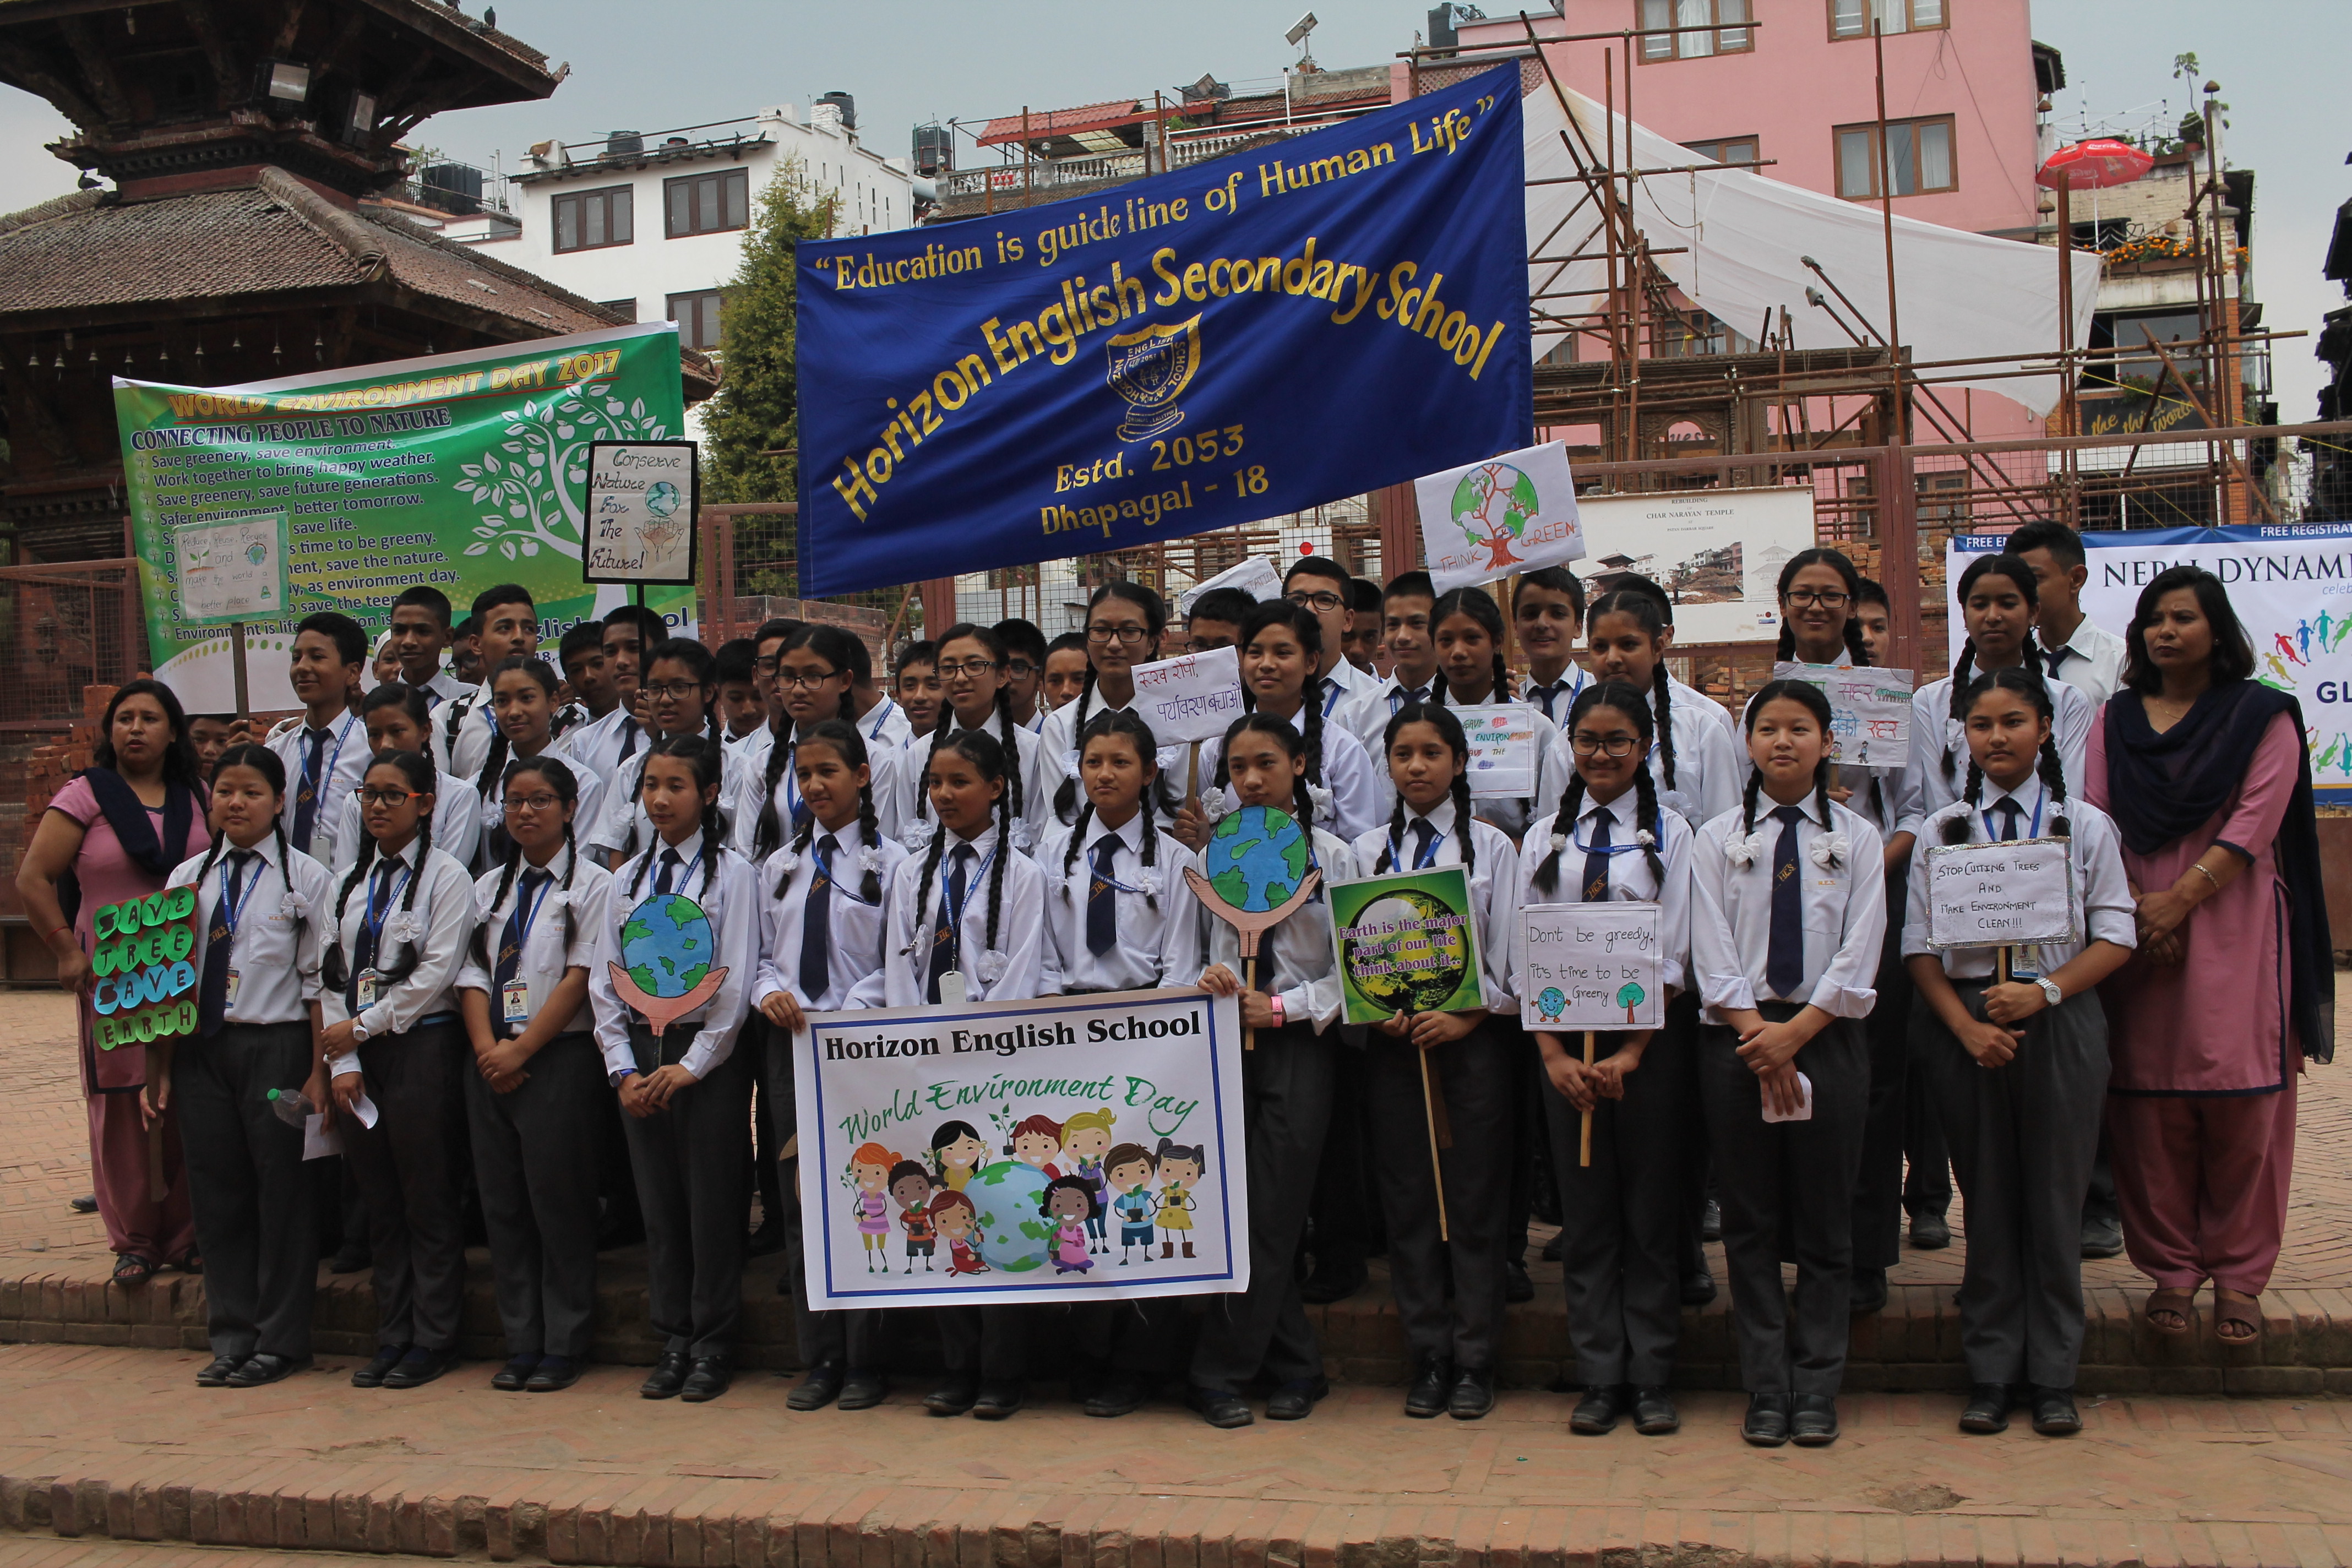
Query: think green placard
458, 471
1406, 944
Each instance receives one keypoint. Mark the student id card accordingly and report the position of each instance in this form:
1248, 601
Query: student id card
364, 989
514, 1001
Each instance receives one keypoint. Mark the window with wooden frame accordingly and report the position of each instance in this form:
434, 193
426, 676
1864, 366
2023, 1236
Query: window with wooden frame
1918, 157
625, 309
1851, 18
696, 315
1731, 150
707, 203
1713, 14
591, 220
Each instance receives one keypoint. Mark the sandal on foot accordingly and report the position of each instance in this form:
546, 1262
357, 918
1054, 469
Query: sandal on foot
2236, 1309
130, 1269
2178, 1302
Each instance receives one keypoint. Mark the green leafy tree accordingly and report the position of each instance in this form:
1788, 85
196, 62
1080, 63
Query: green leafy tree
753, 419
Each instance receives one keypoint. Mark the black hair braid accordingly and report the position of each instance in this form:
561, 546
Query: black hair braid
923, 892
637, 797
711, 843
480, 943
1821, 800
1856, 649
286, 875
393, 973
1310, 728
1008, 733
1066, 797
1003, 853
1662, 684
1302, 804
1463, 821
493, 765
570, 861
2052, 772
870, 889
1786, 649
769, 830
1150, 856
1564, 825
1392, 847
1748, 800
1646, 820
1956, 827
1959, 709
1077, 837
1501, 690
941, 727
334, 968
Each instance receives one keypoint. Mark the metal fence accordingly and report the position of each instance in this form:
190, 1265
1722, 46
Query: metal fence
63, 628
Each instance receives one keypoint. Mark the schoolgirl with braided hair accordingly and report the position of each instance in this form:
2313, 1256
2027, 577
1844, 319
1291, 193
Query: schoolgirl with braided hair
1120, 914
1290, 1000
1467, 628
979, 696
680, 678
815, 676
259, 907
1449, 1292
522, 713
1611, 840
1696, 770
2018, 1069
399, 924
685, 1090
830, 959
397, 718
534, 1097
1281, 647
1998, 598
1124, 623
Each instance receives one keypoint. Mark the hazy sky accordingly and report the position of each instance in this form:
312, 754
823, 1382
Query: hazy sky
2282, 63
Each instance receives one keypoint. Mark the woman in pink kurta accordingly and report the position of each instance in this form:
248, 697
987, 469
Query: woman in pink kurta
2206, 775
144, 778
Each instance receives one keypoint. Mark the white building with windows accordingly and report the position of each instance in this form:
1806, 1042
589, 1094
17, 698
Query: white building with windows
650, 223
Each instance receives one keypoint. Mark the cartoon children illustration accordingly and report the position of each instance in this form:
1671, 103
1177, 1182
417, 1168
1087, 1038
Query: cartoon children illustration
1070, 1205
1129, 1168
1181, 1169
953, 1218
956, 1154
1036, 1140
911, 1187
1085, 1139
869, 1171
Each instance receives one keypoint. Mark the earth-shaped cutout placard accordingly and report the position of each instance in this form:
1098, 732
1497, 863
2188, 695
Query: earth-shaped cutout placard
666, 948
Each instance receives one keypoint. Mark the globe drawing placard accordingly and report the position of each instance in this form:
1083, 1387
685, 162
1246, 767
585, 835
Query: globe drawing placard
1406, 944
1592, 967
639, 515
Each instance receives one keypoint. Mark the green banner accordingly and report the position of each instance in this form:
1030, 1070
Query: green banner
1406, 944
461, 470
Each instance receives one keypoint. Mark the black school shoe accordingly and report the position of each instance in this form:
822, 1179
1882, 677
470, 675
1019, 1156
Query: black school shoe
1930, 1232
2054, 1414
952, 1398
1653, 1413
998, 1400
265, 1367
1118, 1394
1432, 1390
219, 1370
1296, 1400
1220, 1408
371, 1375
420, 1366
820, 1388
1333, 1282
513, 1377
1699, 1288
553, 1374
709, 1380
1813, 1423
1988, 1409
667, 1378
1473, 1394
1868, 1292
1517, 1286
1767, 1425
863, 1390
1597, 1412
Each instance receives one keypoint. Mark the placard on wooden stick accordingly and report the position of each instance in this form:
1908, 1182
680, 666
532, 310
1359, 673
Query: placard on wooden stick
1592, 967
2006, 893
637, 520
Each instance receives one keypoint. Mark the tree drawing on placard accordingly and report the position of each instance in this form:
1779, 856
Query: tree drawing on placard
1631, 995
534, 492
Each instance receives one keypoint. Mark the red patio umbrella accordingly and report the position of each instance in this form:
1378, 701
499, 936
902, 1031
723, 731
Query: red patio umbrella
2089, 165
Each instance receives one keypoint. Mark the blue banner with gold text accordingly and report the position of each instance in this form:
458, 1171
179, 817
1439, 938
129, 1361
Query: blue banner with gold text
1267, 332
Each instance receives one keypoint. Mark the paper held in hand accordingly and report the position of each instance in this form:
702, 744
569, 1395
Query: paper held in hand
1502, 737
1512, 513
1194, 697
2003, 894
1870, 712
1592, 967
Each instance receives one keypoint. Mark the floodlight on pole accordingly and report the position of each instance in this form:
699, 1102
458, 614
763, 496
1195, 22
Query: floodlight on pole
1297, 38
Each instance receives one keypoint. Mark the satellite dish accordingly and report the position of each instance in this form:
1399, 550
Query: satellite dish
1299, 29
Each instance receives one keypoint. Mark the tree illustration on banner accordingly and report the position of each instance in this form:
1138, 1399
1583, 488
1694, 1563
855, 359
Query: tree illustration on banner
535, 492
1491, 505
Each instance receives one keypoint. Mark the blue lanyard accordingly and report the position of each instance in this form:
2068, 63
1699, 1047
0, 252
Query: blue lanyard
825, 870
1087, 859
886, 709
373, 919
231, 900
1428, 856
1631, 848
1332, 700
311, 780
955, 915
2032, 831
685, 872
525, 914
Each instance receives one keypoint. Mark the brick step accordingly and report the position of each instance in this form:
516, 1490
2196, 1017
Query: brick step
1914, 1345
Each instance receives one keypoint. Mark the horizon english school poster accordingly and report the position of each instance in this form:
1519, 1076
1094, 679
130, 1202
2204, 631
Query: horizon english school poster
1248, 336
458, 471
1072, 1149
2291, 585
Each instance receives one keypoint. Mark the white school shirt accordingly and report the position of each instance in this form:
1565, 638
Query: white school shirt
1842, 911
277, 972
1710, 768
910, 807
444, 914
343, 757
490, 810
2091, 660
884, 725
624, 812
1343, 681
476, 729
2103, 906
545, 954
1294, 958
854, 935
598, 744
443, 686
1699, 701
1511, 814
730, 900
1494, 885
1154, 947
1935, 734
1629, 879
1058, 743
758, 748
1563, 693
1013, 971
1366, 711
1355, 780
456, 826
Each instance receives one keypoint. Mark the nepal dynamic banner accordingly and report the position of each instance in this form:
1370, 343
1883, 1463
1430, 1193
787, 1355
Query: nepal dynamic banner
1250, 336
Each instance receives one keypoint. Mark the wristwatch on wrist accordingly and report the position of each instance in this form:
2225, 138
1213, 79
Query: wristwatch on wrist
359, 1028
623, 1076
2049, 990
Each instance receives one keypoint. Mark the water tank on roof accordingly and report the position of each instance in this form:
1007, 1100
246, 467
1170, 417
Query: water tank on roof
623, 143
453, 187
846, 104
934, 150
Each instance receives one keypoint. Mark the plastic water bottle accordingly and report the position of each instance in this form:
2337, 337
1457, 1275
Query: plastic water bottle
291, 1108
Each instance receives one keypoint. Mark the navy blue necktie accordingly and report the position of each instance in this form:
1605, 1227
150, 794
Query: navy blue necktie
1547, 695
816, 923
510, 946
1424, 848
363, 950
212, 1001
944, 931
1784, 960
1597, 859
2011, 811
628, 739
305, 798
1102, 899
666, 877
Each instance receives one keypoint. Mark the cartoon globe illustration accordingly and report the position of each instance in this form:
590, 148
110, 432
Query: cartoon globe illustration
1552, 1003
1015, 1234
666, 945
1256, 858
664, 499
1439, 961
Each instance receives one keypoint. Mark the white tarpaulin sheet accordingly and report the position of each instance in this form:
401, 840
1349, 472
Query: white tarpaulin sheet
1963, 295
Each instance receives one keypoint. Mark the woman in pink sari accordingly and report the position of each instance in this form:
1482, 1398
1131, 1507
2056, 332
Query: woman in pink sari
2231, 990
